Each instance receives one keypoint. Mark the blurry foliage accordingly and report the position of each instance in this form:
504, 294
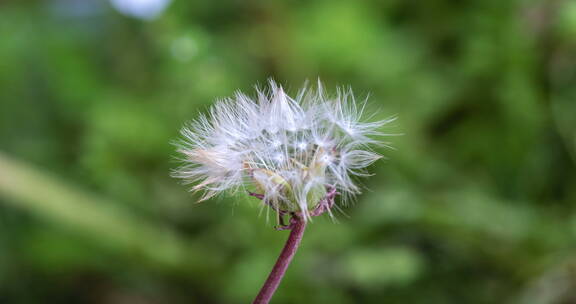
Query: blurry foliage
474, 205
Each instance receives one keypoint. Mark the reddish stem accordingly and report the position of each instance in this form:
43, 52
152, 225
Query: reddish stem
298, 225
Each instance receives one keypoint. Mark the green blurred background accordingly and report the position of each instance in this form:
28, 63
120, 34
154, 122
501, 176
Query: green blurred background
475, 205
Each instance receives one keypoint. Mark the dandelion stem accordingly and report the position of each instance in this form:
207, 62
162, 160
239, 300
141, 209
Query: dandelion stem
298, 225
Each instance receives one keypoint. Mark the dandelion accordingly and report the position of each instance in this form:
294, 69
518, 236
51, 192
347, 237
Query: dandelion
294, 154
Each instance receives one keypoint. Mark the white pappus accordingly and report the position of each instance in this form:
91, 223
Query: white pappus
294, 153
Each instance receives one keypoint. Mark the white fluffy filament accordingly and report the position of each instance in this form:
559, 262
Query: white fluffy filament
289, 149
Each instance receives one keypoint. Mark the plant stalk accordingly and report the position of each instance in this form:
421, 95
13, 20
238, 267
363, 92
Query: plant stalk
298, 225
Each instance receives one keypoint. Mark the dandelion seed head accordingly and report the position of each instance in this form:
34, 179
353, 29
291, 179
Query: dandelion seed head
290, 149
